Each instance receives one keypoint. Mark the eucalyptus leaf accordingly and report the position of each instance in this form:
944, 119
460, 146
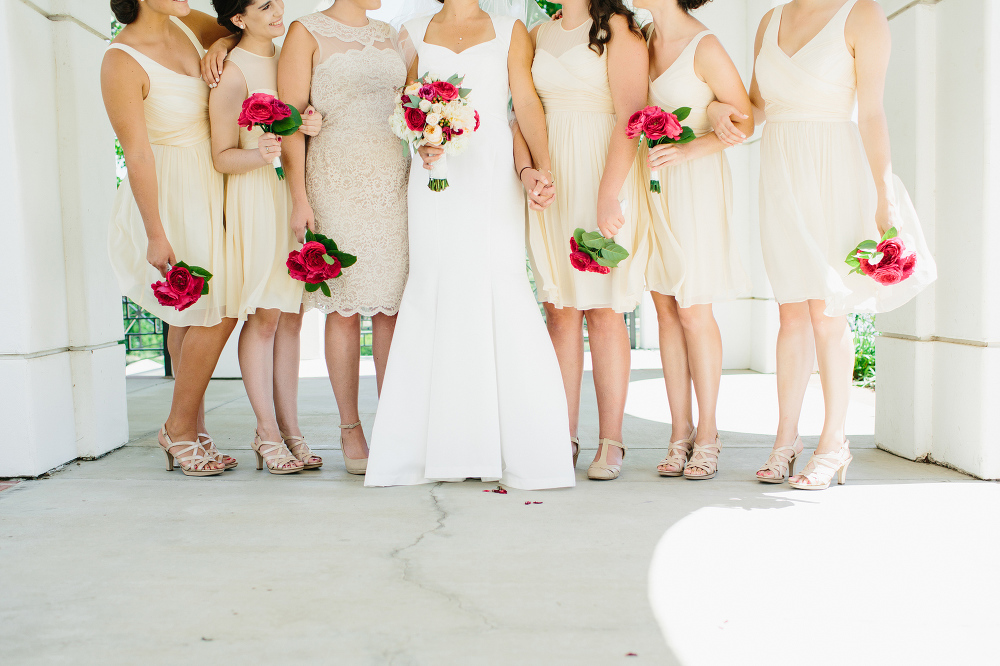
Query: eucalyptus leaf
463, 92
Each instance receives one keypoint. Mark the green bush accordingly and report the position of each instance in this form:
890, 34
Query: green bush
863, 326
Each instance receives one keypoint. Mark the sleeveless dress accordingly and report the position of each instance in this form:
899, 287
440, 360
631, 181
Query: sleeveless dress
692, 256
572, 82
258, 209
817, 194
472, 388
189, 193
356, 169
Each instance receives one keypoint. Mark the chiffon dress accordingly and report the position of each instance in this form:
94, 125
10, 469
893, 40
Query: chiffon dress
258, 210
817, 193
572, 82
692, 256
356, 170
472, 387
189, 195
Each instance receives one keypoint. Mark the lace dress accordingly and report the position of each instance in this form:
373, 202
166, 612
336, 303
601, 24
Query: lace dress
356, 170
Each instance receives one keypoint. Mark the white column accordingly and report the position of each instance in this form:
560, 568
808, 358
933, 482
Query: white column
61, 367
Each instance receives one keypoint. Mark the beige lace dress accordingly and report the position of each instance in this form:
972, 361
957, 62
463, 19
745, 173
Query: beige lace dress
356, 169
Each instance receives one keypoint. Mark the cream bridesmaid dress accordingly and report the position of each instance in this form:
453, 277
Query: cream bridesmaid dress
190, 195
692, 256
817, 194
258, 209
572, 82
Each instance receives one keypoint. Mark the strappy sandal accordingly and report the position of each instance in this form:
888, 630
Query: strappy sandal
276, 455
600, 470
677, 455
300, 449
353, 465
704, 458
818, 472
575, 445
781, 463
228, 461
191, 458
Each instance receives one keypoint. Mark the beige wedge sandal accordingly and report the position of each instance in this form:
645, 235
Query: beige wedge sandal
704, 458
600, 470
276, 456
781, 463
677, 456
191, 458
300, 449
353, 465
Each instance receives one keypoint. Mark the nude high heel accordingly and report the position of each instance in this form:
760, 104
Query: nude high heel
781, 463
819, 471
191, 459
575, 445
276, 457
600, 470
677, 454
705, 457
353, 465
227, 461
300, 449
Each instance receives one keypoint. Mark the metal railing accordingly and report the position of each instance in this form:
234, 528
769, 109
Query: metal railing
145, 335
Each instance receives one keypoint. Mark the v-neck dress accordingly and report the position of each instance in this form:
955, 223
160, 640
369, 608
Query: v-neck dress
817, 193
692, 254
572, 83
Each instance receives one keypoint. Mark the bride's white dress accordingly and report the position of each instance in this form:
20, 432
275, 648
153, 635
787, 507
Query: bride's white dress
472, 388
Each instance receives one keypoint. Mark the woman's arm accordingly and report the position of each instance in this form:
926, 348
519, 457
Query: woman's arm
713, 65
224, 106
868, 33
205, 28
541, 192
294, 83
721, 115
628, 74
217, 41
124, 85
527, 107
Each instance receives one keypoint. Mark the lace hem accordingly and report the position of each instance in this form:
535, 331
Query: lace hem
326, 307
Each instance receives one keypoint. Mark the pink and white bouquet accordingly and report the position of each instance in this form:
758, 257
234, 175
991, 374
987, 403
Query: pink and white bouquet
432, 112
591, 252
317, 261
182, 287
273, 116
887, 261
659, 127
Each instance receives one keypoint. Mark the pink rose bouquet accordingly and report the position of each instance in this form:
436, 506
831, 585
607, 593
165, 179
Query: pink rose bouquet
317, 261
273, 116
591, 252
887, 261
658, 127
182, 286
432, 112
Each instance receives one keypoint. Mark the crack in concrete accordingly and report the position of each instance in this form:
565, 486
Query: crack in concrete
408, 577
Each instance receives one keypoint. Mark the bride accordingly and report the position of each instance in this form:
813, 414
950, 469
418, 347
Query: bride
472, 388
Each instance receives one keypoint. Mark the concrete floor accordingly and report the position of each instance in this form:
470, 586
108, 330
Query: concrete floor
118, 561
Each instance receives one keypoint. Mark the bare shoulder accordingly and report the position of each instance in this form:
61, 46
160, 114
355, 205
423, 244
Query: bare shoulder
866, 10
121, 64
866, 22
620, 29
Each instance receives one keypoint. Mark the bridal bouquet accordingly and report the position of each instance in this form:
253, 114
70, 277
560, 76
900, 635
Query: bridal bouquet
591, 252
658, 127
273, 116
319, 260
432, 112
887, 261
182, 287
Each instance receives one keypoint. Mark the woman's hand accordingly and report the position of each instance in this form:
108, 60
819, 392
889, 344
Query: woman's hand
668, 154
213, 62
720, 116
269, 147
312, 122
302, 219
886, 215
160, 255
430, 155
541, 190
610, 219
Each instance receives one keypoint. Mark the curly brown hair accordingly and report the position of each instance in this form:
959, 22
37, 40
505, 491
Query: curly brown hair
227, 9
691, 5
601, 12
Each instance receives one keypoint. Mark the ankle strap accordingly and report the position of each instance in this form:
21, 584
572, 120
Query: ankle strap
611, 442
349, 426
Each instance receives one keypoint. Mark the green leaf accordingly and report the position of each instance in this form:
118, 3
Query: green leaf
326, 289
868, 246
453, 79
288, 126
890, 233
204, 290
331, 247
682, 112
876, 258
346, 259
687, 134
578, 236
328, 259
311, 287
182, 265
851, 261
594, 240
310, 236
613, 254
463, 92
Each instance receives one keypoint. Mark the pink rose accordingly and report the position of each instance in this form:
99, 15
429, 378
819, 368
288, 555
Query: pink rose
477, 121
887, 275
179, 279
446, 91
279, 110
891, 249
257, 109
635, 124
660, 124
426, 92
597, 268
332, 270
580, 260
415, 119
312, 254
909, 262
295, 266
573, 247
165, 294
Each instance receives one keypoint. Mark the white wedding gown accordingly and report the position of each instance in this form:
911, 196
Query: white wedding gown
472, 388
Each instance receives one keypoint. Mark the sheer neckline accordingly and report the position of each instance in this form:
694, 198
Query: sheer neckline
587, 22
345, 25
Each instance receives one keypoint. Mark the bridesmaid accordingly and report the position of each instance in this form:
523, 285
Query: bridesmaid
826, 183
259, 238
350, 185
590, 73
169, 207
693, 262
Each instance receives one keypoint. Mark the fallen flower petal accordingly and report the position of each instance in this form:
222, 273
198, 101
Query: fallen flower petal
536, 502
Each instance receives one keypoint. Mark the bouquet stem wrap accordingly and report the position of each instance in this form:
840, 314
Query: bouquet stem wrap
439, 174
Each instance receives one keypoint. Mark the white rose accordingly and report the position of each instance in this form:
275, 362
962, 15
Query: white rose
425, 106
437, 108
433, 119
412, 88
433, 136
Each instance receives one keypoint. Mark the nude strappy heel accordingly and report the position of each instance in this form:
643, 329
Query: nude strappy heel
190, 459
677, 454
575, 445
705, 458
300, 449
353, 465
275, 455
819, 471
206, 441
600, 470
781, 463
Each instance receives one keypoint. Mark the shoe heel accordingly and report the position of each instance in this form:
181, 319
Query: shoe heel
842, 475
260, 460
791, 466
170, 461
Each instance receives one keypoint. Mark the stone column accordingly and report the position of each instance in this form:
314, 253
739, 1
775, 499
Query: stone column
62, 388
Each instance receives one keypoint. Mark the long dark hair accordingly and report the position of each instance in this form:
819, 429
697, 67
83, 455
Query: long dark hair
227, 9
126, 11
601, 12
